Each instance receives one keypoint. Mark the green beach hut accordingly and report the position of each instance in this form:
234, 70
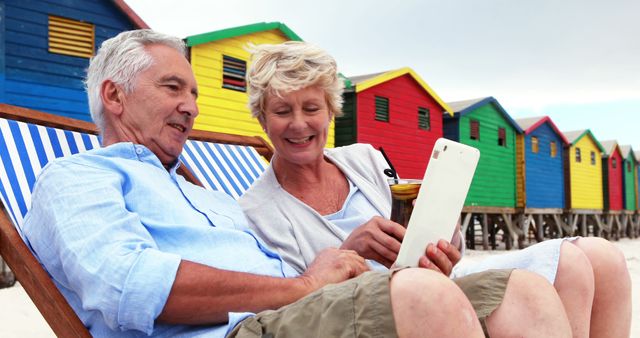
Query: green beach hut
483, 123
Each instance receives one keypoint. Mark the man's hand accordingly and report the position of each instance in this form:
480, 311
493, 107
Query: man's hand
333, 266
442, 257
379, 239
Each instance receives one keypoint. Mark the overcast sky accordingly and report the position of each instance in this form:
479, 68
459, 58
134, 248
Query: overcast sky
577, 61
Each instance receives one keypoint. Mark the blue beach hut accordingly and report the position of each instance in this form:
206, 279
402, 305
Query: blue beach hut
45, 48
540, 169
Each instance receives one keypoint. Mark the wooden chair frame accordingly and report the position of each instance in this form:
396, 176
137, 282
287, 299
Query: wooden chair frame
34, 279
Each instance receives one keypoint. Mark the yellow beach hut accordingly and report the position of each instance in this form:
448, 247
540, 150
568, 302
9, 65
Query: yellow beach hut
219, 60
583, 170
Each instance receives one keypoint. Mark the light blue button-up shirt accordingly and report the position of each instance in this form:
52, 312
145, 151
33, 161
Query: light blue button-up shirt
111, 226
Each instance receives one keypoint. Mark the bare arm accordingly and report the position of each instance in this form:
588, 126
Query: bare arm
204, 295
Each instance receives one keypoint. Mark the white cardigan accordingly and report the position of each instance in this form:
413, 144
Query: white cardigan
296, 231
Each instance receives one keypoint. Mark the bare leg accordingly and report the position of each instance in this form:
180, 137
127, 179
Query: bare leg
611, 311
428, 304
531, 308
575, 286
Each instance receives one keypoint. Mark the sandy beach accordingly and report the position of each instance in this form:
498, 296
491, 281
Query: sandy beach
20, 318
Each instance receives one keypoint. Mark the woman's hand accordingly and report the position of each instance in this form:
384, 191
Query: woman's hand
379, 239
456, 240
441, 257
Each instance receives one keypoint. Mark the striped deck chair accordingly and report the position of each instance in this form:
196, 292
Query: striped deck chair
30, 139
223, 167
225, 162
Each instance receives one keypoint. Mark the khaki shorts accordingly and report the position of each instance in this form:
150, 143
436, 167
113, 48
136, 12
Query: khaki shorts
361, 307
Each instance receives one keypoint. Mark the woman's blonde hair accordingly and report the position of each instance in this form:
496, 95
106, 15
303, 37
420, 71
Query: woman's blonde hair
288, 67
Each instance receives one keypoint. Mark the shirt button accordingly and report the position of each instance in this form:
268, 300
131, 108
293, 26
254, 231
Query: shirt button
138, 151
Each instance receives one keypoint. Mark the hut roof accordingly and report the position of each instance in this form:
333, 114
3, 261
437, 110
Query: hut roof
627, 151
462, 108
530, 124
459, 106
574, 136
609, 147
198, 39
363, 82
355, 80
133, 17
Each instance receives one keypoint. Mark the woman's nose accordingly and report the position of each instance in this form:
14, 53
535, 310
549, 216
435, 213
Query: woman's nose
298, 120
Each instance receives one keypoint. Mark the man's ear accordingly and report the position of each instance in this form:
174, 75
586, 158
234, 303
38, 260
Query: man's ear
111, 95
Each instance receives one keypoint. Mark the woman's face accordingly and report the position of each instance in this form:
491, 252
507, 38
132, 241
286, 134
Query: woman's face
297, 124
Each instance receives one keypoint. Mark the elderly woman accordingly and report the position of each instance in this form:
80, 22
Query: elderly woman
321, 198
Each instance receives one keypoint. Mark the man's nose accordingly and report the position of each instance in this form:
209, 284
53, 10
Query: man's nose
189, 107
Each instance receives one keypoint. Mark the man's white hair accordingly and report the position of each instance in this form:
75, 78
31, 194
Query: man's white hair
120, 59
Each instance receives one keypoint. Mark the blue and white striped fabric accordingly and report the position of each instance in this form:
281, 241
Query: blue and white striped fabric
24, 150
223, 167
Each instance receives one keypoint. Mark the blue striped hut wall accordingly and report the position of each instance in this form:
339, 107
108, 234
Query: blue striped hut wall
33, 77
544, 173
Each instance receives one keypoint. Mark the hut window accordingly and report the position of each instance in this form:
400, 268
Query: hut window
553, 146
382, 109
233, 73
71, 37
614, 163
578, 155
474, 129
534, 145
593, 158
628, 166
502, 137
424, 119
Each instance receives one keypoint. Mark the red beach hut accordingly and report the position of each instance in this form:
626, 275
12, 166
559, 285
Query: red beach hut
396, 110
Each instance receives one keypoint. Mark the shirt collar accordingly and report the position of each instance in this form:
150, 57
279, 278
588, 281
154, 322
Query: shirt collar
143, 154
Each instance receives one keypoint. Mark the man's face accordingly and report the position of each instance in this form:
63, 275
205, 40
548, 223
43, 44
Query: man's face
160, 111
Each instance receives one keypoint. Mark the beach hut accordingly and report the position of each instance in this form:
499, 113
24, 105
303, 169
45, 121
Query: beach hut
584, 188
45, 48
540, 172
637, 153
395, 110
629, 177
634, 230
612, 175
612, 185
629, 180
483, 123
540, 175
219, 60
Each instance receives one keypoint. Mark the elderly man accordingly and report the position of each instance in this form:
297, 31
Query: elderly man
137, 250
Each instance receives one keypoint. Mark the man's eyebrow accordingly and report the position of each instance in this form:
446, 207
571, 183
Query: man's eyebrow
175, 78
180, 81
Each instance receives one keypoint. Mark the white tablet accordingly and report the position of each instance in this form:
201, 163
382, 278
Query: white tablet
440, 200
